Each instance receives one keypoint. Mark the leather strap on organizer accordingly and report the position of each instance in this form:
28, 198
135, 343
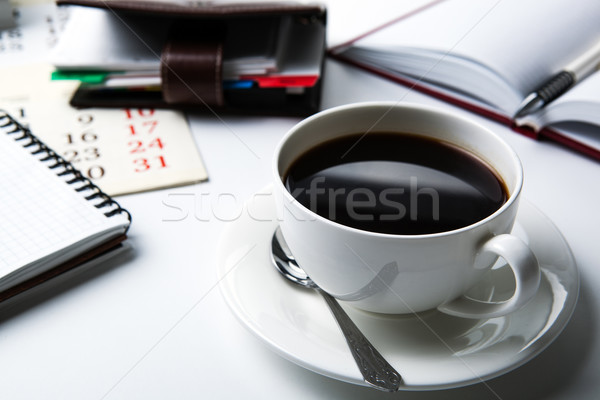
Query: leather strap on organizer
191, 64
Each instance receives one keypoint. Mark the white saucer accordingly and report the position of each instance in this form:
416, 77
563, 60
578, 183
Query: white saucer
430, 350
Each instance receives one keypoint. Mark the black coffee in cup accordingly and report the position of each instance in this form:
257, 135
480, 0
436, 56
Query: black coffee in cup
395, 183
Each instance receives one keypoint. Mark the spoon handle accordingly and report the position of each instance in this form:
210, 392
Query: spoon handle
375, 370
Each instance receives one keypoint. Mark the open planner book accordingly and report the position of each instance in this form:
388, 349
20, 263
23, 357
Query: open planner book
269, 53
52, 219
488, 55
234, 55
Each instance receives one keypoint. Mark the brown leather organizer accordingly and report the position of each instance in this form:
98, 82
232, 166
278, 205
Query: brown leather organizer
200, 36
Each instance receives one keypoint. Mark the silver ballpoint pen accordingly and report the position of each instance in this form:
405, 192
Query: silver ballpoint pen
578, 69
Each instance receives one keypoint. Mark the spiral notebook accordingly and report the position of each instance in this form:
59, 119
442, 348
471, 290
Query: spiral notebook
52, 218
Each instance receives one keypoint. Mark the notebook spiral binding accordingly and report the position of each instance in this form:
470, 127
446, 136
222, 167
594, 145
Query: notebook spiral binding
65, 169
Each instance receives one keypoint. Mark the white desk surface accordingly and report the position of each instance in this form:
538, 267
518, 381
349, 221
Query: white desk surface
153, 324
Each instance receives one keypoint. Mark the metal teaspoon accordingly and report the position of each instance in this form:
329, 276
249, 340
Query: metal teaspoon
375, 370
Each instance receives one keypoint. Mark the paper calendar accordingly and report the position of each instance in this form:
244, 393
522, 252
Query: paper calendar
121, 150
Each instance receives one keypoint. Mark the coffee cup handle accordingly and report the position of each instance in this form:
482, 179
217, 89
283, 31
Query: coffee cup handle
526, 270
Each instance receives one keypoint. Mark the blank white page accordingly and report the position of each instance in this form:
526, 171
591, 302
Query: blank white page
524, 42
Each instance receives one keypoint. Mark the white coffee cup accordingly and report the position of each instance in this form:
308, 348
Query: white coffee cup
392, 273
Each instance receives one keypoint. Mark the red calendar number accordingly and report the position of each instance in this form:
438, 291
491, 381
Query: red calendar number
140, 112
146, 164
146, 127
139, 146
142, 126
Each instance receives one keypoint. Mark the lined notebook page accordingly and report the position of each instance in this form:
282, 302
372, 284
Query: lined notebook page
42, 218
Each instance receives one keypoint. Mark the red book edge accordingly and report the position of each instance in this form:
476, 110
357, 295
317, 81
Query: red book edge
282, 81
545, 133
